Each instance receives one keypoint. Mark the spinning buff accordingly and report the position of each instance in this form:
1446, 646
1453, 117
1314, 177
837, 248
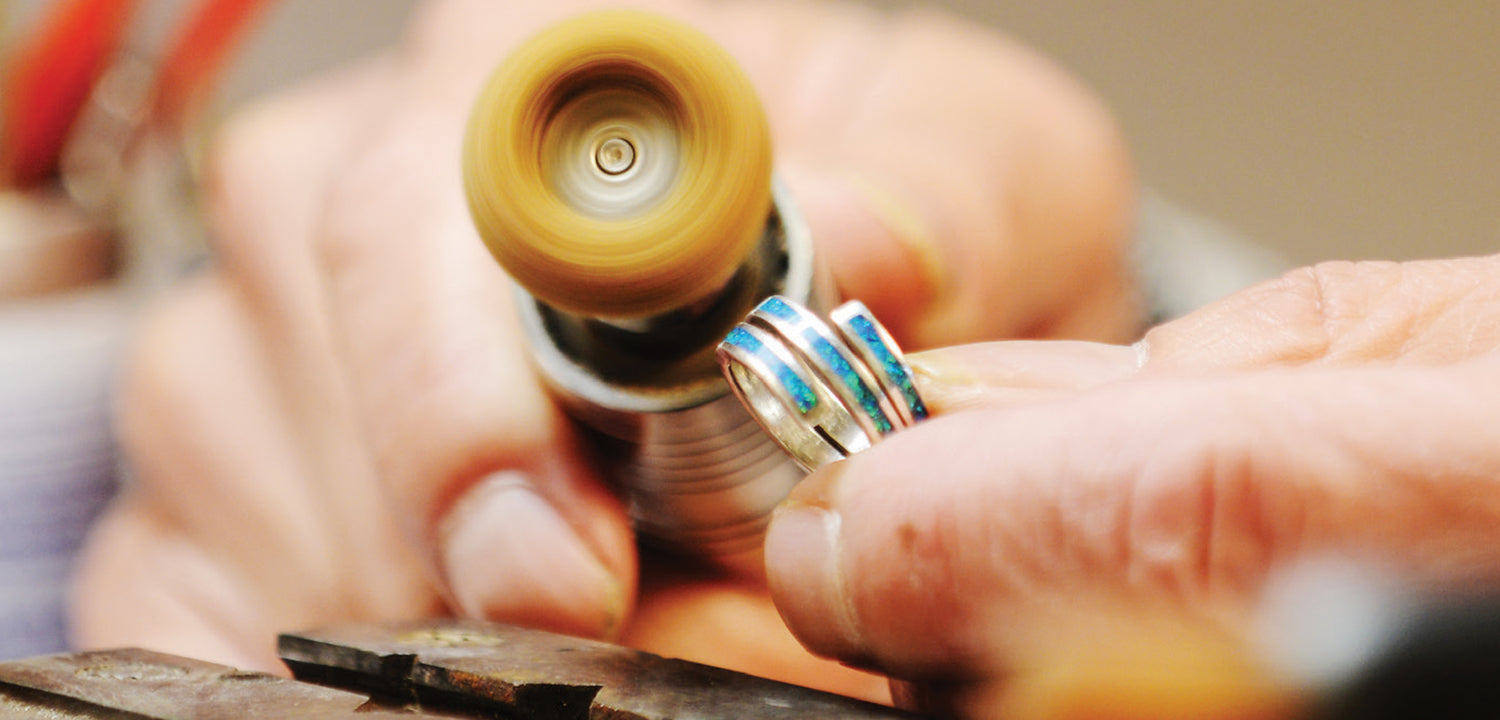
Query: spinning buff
618, 165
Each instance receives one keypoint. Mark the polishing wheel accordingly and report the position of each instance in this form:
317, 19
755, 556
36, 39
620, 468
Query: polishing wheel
618, 165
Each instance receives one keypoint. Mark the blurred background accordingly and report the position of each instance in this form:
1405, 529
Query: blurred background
1331, 129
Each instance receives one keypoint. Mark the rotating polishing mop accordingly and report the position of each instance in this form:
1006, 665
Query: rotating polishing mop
618, 166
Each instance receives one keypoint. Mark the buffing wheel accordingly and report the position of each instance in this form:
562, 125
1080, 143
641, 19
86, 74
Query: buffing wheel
618, 165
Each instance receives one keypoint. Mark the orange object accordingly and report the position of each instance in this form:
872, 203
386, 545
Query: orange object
192, 64
49, 79
618, 165
1103, 659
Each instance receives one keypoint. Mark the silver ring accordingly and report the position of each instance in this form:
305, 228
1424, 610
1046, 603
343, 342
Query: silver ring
869, 339
824, 393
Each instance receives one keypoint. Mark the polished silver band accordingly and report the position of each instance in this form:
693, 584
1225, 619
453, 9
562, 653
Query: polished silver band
824, 392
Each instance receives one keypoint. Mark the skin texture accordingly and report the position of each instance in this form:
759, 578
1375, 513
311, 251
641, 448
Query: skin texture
338, 422
1344, 408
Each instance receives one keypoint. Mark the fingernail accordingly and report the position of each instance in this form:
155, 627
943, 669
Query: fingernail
968, 375
817, 490
805, 568
510, 556
883, 251
905, 225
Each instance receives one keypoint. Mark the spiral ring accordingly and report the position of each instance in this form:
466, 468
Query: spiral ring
823, 391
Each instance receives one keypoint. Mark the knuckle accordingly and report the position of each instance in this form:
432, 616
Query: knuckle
1306, 315
242, 162
255, 151
1202, 520
388, 187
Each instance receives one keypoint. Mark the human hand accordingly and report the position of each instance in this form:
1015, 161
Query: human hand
1071, 488
339, 422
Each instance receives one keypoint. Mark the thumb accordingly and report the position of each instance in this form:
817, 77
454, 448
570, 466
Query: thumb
1179, 489
1181, 485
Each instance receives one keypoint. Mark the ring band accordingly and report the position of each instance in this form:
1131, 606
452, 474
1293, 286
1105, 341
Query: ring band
823, 393
869, 339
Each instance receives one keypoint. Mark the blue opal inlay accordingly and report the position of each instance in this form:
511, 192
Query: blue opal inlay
801, 394
778, 307
846, 374
894, 370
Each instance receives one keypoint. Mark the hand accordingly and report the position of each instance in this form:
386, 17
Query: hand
1348, 408
339, 423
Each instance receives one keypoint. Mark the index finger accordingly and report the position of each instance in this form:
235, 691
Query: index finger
960, 185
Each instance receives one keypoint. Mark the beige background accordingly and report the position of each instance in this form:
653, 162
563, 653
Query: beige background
1322, 128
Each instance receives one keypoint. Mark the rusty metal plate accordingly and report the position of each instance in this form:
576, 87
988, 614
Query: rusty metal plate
144, 685
501, 671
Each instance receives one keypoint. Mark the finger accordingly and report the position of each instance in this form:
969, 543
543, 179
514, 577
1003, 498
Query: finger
1336, 314
270, 176
195, 357
144, 585
481, 464
960, 185
1342, 314
1002, 373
